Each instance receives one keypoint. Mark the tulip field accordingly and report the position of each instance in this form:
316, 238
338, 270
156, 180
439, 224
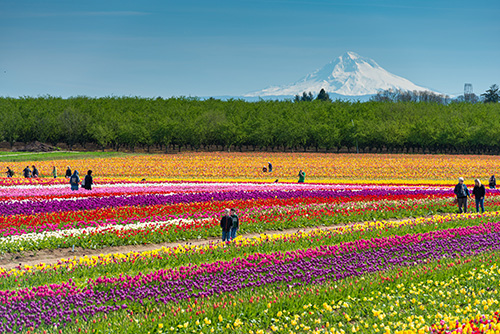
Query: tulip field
368, 244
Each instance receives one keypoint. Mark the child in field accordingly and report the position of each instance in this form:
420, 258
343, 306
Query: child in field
492, 182
54, 172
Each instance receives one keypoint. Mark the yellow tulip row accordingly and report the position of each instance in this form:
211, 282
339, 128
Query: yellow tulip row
378, 168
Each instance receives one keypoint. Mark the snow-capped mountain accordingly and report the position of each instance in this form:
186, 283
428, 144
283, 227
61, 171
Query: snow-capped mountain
349, 74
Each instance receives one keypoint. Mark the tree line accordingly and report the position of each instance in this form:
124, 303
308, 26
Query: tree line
178, 123
492, 95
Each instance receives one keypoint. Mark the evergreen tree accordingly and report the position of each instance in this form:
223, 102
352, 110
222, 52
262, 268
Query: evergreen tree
323, 96
304, 97
492, 95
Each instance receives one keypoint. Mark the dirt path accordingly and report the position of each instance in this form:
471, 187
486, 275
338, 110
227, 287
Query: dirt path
33, 153
51, 256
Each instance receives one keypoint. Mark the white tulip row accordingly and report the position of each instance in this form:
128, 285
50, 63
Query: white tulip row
75, 232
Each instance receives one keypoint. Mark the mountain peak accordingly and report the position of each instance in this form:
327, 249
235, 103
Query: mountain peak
350, 54
349, 74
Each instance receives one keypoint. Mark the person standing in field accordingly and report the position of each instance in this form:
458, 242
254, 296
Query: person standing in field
492, 182
88, 181
27, 172
226, 223
54, 172
269, 167
236, 223
479, 192
302, 176
68, 172
74, 180
35, 172
462, 193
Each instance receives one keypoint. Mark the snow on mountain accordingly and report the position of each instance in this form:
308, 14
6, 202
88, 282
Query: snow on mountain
349, 74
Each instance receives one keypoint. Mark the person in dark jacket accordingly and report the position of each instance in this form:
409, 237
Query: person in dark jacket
226, 223
269, 167
479, 192
35, 172
74, 180
492, 182
10, 172
88, 181
302, 176
27, 172
462, 193
68, 172
236, 223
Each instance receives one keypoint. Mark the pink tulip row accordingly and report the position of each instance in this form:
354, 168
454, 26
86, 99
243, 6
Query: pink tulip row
44, 192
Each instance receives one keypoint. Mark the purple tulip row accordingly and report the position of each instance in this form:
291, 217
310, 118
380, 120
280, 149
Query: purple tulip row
60, 310
33, 207
252, 260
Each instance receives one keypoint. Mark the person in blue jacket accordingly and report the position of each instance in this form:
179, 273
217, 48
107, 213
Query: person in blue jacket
462, 193
27, 172
236, 224
74, 180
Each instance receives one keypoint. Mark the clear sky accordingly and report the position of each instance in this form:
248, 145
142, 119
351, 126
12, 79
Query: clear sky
231, 47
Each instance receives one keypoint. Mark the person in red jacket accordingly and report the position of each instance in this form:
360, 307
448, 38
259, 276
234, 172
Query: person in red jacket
226, 223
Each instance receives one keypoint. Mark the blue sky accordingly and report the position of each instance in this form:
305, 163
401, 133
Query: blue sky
213, 48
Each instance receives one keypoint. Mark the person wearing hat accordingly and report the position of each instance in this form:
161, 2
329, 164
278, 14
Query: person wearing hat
462, 193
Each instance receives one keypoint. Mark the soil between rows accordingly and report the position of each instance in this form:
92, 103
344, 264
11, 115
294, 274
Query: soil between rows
51, 256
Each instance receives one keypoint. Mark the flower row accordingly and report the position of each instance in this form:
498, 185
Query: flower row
206, 165
284, 271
